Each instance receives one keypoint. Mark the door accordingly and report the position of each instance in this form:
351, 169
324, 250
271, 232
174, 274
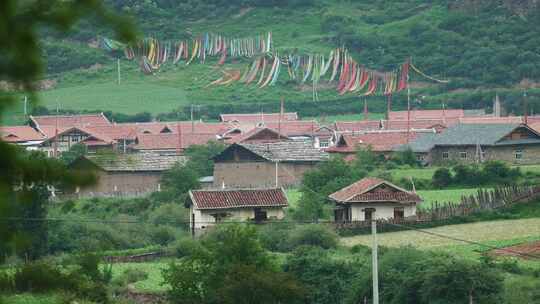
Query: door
260, 215
368, 214
399, 213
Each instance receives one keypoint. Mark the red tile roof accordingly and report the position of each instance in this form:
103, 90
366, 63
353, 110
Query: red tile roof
94, 135
243, 198
20, 134
66, 121
361, 191
491, 120
294, 128
259, 135
379, 141
438, 124
170, 141
116, 131
185, 127
257, 117
426, 114
354, 126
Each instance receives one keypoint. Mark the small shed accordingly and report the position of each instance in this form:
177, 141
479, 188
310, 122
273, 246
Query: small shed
373, 198
209, 207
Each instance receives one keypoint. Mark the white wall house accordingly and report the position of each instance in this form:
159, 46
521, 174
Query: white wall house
373, 198
210, 207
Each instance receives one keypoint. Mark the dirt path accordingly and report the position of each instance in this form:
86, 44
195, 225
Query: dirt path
528, 248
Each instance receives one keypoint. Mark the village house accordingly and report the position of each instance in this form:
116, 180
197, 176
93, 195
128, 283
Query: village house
25, 136
170, 143
414, 114
66, 138
255, 165
382, 143
124, 174
373, 199
210, 207
68, 121
473, 143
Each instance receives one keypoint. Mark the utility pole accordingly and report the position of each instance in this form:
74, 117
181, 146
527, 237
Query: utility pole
25, 105
192, 123
374, 262
118, 70
525, 106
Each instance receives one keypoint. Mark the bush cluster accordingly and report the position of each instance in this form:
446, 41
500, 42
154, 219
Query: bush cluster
488, 173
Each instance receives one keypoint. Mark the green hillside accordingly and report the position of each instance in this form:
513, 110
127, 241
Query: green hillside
483, 47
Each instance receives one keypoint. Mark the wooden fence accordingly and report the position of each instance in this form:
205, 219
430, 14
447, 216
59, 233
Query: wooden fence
483, 200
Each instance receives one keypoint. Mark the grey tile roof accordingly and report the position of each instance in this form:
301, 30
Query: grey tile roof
466, 135
287, 151
135, 162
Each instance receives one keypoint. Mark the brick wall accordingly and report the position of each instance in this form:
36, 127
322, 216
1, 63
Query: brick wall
530, 155
111, 183
259, 174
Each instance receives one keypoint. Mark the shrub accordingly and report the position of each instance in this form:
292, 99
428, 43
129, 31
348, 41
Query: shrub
187, 247
274, 237
38, 277
442, 178
313, 235
6, 282
163, 235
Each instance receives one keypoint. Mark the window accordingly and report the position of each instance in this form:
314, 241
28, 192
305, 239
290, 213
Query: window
463, 155
519, 154
399, 213
445, 155
324, 144
368, 214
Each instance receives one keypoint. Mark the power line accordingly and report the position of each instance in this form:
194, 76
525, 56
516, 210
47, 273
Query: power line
466, 241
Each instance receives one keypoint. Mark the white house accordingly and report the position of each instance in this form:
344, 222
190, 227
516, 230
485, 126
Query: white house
373, 198
209, 207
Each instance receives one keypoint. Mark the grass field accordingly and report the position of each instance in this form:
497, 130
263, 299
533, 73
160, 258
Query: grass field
154, 281
443, 196
27, 298
492, 231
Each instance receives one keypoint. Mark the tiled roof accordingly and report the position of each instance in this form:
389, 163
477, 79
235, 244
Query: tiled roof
467, 135
354, 126
360, 192
185, 127
116, 131
66, 121
260, 135
416, 124
88, 131
20, 134
491, 120
295, 128
225, 199
287, 151
134, 162
257, 117
169, 141
426, 114
379, 141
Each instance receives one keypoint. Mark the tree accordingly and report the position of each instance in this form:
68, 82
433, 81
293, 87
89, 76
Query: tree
21, 65
73, 153
365, 159
178, 180
232, 267
201, 157
441, 178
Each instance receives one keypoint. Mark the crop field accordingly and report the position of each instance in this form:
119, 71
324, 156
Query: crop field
154, 281
496, 233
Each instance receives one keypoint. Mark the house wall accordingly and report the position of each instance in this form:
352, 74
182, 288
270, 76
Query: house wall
259, 174
530, 155
204, 218
382, 210
123, 183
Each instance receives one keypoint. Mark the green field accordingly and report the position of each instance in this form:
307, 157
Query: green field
443, 196
27, 298
154, 281
491, 231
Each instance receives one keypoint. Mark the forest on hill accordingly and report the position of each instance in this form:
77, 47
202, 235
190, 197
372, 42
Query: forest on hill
484, 47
